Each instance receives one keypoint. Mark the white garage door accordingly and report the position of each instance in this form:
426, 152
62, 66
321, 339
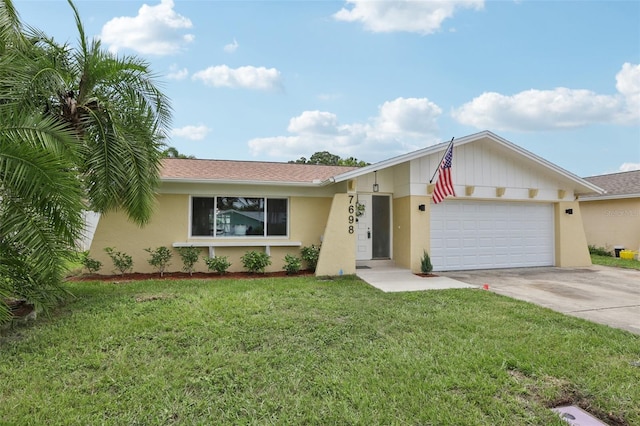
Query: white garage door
487, 235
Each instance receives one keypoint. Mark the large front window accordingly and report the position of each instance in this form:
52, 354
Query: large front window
238, 216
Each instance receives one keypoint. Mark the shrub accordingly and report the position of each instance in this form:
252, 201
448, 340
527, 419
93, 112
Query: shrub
189, 256
254, 261
90, 263
122, 261
310, 255
292, 264
600, 251
425, 263
220, 264
160, 258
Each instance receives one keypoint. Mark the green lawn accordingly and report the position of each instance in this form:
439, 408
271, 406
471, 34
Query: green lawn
615, 261
309, 351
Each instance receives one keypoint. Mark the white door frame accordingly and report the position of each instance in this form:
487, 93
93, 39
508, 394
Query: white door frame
364, 249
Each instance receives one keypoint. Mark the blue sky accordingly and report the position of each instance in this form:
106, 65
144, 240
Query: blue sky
278, 80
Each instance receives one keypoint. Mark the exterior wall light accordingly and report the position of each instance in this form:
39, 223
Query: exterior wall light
376, 188
569, 211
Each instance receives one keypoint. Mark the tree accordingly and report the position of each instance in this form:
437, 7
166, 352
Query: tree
114, 106
172, 152
351, 161
76, 125
329, 159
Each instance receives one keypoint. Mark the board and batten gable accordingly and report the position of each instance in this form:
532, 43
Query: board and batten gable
485, 166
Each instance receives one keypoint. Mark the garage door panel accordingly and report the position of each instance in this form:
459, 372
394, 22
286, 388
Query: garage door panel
453, 243
481, 235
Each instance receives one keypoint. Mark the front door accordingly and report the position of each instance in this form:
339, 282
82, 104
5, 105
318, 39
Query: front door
373, 234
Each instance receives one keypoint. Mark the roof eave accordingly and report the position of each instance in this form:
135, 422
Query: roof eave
609, 197
586, 187
241, 182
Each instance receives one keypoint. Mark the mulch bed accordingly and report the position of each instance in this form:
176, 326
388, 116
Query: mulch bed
184, 276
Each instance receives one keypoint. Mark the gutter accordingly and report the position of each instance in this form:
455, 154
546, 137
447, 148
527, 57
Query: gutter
315, 183
609, 197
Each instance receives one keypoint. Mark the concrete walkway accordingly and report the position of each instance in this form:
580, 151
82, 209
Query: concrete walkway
393, 279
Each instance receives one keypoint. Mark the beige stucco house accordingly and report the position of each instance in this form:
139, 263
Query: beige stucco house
612, 219
512, 209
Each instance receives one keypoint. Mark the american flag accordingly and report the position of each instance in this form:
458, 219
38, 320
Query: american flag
444, 185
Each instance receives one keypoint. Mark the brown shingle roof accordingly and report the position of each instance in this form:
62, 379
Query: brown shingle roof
247, 171
618, 184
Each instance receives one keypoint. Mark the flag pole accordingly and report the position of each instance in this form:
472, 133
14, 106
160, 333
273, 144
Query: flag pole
445, 153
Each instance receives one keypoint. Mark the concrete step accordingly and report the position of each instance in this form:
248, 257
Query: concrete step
375, 263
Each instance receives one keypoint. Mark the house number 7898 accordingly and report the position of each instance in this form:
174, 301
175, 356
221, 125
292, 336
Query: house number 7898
352, 219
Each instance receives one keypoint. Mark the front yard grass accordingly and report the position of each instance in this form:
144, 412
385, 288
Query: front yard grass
615, 262
309, 351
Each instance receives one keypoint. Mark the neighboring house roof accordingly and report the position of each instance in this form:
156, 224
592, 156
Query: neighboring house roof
257, 216
581, 186
255, 172
617, 185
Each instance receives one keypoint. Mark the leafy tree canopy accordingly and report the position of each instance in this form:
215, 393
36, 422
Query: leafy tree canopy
329, 159
172, 152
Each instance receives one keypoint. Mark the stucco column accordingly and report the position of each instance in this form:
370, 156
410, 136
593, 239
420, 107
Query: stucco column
571, 242
411, 236
338, 251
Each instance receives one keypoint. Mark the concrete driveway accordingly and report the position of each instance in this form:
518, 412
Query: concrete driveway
600, 294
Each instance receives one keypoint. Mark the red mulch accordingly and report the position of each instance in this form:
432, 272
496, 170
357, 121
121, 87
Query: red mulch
184, 276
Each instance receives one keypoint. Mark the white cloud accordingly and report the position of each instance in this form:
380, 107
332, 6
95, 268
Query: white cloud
416, 16
247, 77
156, 30
402, 125
231, 47
555, 109
194, 133
177, 74
314, 122
628, 84
412, 116
627, 167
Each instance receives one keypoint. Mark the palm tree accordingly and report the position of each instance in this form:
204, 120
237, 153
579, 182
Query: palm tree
118, 111
76, 125
40, 194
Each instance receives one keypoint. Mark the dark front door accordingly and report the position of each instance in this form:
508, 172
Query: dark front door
381, 227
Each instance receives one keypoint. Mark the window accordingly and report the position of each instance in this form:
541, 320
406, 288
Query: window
238, 216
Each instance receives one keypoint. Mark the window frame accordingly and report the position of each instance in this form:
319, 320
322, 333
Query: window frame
264, 235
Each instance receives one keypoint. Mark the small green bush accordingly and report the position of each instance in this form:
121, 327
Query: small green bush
220, 264
292, 264
255, 262
122, 261
160, 258
90, 263
600, 251
189, 256
310, 255
425, 263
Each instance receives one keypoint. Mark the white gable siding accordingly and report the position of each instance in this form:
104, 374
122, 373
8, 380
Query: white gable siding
486, 166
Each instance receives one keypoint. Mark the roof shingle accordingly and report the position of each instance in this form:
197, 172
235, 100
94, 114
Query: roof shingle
247, 171
618, 184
